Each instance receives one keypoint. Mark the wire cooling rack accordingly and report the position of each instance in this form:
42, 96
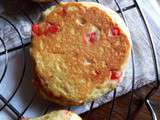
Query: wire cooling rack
6, 104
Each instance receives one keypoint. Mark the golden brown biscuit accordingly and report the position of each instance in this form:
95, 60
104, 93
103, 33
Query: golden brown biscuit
57, 115
80, 51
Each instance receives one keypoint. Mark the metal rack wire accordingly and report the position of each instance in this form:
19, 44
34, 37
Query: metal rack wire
5, 52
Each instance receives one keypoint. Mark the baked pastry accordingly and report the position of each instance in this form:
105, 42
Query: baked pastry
80, 51
57, 115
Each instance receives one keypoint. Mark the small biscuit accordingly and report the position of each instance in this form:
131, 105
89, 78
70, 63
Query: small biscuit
80, 52
57, 115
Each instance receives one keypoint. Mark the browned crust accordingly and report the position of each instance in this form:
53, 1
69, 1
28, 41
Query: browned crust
50, 95
109, 56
